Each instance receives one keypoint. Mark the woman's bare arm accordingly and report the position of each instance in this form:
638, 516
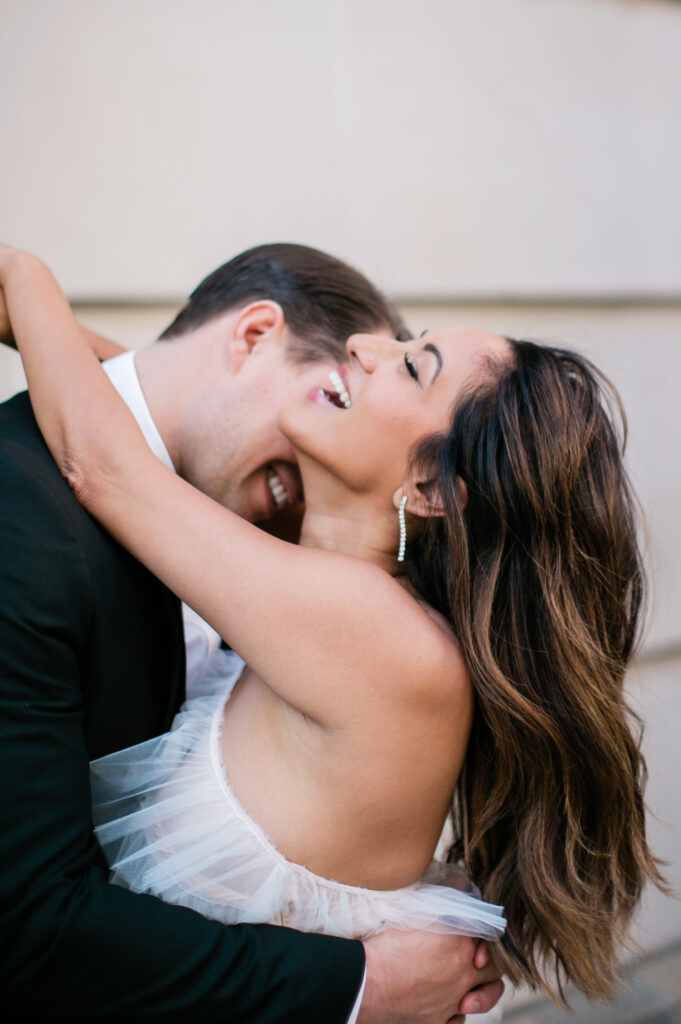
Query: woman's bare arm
104, 348
322, 628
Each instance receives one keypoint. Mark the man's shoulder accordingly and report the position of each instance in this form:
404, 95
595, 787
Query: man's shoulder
26, 465
16, 417
20, 437
40, 520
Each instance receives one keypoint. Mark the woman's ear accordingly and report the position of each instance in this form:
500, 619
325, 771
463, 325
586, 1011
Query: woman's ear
424, 497
257, 323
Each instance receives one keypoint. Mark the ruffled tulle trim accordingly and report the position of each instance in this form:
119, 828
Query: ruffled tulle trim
171, 825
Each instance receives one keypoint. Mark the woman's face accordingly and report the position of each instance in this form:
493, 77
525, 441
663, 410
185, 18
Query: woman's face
361, 425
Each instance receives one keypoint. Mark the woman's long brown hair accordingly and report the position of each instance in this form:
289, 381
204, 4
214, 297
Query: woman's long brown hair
540, 572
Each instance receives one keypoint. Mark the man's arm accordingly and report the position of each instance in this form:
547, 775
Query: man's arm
103, 348
71, 943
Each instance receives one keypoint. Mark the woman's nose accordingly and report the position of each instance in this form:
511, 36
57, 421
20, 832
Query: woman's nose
369, 350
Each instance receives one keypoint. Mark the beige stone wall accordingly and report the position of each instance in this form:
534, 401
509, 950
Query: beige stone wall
452, 149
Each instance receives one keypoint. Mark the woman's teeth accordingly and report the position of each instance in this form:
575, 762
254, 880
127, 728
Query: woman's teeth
340, 389
277, 489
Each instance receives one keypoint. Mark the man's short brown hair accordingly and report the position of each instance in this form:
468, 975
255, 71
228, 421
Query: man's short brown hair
324, 300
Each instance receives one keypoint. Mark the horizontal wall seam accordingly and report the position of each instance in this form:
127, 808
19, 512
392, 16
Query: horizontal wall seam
662, 301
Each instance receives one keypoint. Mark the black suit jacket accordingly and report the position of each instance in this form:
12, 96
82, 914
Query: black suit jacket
92, 660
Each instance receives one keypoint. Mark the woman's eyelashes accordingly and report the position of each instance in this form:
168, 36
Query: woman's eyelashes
411, 367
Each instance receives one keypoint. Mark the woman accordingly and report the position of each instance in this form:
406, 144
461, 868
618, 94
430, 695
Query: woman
504, 643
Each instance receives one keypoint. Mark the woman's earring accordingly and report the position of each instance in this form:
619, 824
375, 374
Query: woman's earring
403, 528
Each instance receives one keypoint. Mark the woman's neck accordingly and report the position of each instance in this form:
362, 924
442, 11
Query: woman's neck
371, 537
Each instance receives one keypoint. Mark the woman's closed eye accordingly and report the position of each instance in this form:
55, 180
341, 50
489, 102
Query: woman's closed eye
412, 369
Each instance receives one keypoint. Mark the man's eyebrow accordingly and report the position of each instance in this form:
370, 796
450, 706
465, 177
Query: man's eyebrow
429, 347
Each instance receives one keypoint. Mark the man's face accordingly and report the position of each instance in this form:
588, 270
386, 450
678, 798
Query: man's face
235, 451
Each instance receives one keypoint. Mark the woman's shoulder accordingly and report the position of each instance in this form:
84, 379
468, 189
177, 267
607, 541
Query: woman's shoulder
436, 667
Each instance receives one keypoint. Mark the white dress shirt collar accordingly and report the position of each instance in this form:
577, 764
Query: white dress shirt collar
122, 373
200, 639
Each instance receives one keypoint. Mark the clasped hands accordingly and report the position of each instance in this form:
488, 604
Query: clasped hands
427, 978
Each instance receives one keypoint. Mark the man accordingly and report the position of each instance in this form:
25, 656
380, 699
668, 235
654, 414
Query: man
92, 660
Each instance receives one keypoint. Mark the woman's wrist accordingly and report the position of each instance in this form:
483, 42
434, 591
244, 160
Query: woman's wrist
19, 270
16, 262
18, 267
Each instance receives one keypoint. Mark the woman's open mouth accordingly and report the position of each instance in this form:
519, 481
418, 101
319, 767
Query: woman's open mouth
337, 396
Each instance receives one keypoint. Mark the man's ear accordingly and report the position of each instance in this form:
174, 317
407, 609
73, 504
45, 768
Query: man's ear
257, 323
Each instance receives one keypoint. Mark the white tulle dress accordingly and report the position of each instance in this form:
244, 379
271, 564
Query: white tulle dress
170, 825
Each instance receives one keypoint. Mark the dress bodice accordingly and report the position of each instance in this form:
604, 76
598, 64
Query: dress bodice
171, 825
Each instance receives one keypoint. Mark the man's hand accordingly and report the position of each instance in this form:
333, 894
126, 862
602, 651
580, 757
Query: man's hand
427, 978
